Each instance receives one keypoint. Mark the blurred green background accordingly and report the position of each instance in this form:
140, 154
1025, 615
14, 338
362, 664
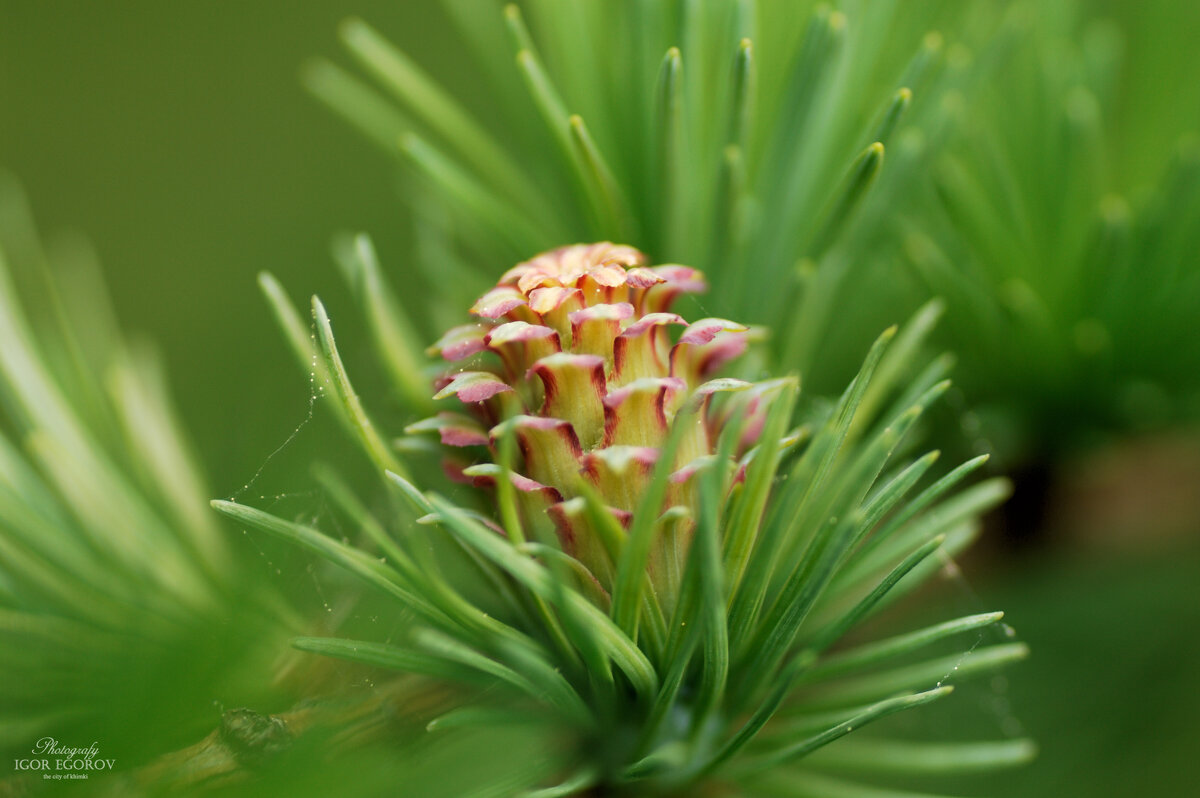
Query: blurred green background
178, 138
176, 135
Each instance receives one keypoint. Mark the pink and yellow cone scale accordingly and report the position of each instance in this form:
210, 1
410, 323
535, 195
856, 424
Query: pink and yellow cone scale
575, 354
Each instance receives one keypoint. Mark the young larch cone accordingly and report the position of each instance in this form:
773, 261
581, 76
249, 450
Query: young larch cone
574, 355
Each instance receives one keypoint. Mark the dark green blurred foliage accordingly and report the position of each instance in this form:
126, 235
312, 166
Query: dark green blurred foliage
1070, 279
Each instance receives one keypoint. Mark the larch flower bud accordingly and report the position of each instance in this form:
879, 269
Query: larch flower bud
578, 354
